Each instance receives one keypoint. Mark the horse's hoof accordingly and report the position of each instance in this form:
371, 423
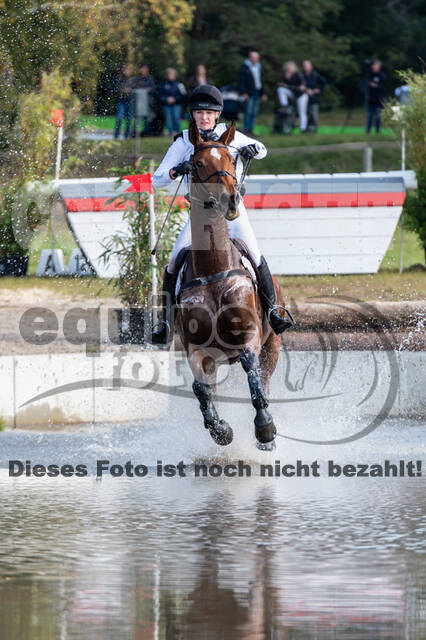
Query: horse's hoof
266, 446
265, 434
222, 434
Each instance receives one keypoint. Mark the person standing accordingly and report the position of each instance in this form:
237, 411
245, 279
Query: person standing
145, 81
251, 88
123, 90
293, 88
314, 83
199, 78
375, 86
172, 96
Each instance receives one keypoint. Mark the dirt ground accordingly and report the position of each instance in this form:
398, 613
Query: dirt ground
332, 322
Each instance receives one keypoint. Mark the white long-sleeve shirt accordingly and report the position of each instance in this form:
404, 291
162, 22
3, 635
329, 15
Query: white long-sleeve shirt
182, 149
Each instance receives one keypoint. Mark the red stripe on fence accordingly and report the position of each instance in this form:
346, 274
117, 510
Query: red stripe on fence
266, 201
305, 200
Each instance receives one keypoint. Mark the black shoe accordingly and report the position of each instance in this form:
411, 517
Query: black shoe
163, 333
277, 322
268, 300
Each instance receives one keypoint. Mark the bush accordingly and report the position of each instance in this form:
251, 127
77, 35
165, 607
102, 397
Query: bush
34, 137
132, 249
413, 118
32, 144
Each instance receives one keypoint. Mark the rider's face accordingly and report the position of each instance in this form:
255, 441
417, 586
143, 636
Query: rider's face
205, 119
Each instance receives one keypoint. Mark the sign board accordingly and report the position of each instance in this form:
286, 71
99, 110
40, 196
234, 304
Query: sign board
51, 263
305, 224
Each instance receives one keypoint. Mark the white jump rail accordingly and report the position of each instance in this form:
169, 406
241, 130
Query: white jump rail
305, 224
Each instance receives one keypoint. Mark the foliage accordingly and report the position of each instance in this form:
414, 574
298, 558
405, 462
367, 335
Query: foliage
20, 216
34, 137
8, 98
132, 248
32, 142
413, 119
222, 34
415, 210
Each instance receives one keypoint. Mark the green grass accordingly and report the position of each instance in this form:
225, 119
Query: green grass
383, 286
42, 240
413, 252
331, 123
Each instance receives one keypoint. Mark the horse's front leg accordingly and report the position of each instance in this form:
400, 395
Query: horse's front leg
265, 430
203, 367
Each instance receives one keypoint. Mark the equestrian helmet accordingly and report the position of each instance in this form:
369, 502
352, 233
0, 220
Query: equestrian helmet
207, 97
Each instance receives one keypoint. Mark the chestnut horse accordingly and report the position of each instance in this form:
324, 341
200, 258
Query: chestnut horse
220, 317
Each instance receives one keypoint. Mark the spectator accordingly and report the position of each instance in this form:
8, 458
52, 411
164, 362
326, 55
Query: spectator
123, 90
231, 102
315, 84
200, 77
251, 89
145, 81
374, 94
172, 96
293, 88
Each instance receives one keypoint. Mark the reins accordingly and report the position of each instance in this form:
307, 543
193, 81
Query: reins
212, 202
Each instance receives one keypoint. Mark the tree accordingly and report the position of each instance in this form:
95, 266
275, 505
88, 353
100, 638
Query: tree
413, 118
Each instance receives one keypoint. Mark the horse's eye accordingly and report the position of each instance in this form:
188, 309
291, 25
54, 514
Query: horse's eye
199, 164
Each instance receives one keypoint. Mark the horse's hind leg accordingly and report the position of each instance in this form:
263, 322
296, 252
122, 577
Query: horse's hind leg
203, 386
265, 431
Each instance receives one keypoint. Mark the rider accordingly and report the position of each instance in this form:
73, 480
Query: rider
205, 107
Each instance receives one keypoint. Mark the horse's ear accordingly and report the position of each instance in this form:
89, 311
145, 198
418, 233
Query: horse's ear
194, 135
228, 135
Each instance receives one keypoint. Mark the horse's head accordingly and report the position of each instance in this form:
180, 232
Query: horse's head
213, 172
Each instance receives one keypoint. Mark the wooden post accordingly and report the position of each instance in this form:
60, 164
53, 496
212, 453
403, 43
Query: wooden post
152, 244
368, 158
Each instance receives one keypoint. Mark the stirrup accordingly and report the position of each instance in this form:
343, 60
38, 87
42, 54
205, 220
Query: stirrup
278, 323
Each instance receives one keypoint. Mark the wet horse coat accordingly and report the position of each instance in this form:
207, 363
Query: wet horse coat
220, 317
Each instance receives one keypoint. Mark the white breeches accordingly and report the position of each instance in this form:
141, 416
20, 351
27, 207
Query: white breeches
285, 95
238, 228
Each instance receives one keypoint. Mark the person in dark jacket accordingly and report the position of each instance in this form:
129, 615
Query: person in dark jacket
375, 89
314, 83
145, 81
172, 96
123, 90
250, 82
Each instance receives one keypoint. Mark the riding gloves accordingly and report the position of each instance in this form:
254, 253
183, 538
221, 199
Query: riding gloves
183, 168
248, 151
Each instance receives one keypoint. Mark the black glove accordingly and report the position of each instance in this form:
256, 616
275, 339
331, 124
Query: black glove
183, 168
249, 151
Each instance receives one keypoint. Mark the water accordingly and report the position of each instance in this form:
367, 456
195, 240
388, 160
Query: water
221, 558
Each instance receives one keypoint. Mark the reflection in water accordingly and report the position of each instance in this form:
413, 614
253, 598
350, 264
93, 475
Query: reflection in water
247, 558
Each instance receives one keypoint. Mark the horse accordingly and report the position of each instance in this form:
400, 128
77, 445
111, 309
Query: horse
219, 317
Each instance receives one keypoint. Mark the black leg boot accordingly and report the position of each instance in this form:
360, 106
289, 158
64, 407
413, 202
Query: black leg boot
268, 300
163, 328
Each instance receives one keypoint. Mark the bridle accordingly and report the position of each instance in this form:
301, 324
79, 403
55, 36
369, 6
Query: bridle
212, 202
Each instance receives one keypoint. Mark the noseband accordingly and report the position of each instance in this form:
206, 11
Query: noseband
212, 202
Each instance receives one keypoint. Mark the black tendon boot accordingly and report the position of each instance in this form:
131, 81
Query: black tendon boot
163, 331
268, 300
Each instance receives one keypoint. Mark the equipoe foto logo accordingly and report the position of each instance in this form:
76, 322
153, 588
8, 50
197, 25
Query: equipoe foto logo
319, 376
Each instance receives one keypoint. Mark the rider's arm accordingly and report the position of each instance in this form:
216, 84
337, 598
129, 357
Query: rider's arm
241, 140
175, 155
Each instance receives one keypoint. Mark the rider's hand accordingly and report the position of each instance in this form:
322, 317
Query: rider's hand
248, 151
182, 169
